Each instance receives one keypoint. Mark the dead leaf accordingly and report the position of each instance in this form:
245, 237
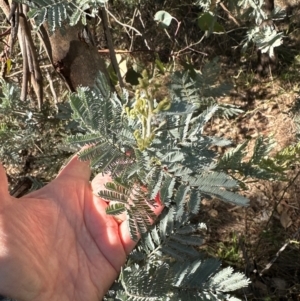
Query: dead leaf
122, 64
213, 213
282, 206
285, 219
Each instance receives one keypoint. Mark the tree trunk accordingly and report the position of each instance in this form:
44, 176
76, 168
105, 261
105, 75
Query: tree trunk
75, 60
265, 63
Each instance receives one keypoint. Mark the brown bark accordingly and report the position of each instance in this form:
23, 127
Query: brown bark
265, 63
75, 60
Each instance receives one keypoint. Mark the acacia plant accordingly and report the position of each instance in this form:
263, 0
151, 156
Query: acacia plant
157, 149
152, 148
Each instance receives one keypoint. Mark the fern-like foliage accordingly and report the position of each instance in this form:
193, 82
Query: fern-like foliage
260, 165
21, 125
264, 34
166, 266
201, 89
157, 150
179, 153
102, 121
192, 280
59, 12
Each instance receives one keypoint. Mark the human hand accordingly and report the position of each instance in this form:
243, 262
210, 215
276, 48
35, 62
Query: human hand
57, 243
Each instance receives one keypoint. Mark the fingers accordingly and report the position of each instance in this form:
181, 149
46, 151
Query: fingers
3, 183
76, 169
127, 242
98, 183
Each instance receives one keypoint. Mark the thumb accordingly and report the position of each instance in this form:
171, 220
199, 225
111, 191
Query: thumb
77, 169
3, 183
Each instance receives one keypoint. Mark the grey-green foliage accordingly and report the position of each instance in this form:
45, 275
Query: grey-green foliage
263, 32
179, 154
22, 129
60, 12
201, 89
165, 266
176, 167
257, 166
180, 281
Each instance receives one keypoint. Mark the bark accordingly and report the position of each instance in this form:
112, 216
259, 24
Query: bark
265, 63
76, 61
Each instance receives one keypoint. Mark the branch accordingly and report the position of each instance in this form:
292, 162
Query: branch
123, 24
111, 46
5, 33
25, 78
229, 14
36, 77
124, 51
5, 8
189, 46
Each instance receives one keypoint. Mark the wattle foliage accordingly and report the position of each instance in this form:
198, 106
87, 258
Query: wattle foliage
143, 144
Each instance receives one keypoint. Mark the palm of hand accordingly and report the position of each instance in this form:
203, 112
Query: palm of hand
63, 244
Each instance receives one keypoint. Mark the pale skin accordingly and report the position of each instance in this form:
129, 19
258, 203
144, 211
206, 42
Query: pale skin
57, 243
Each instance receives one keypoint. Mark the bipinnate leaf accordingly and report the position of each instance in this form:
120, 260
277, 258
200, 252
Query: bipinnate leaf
115, 209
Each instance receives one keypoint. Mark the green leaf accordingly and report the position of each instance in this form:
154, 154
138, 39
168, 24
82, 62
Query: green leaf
160, 65
115, 209
163, 18
112, 74
206, 21
218, 27
167, 222
185, 250
194, 201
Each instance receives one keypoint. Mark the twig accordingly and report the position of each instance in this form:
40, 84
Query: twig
5, 33
123, 24
278, 202
197, 51
22, 42
111, 46
48, 76
25, 35
37, 79
5, 8
268, 266
123, 51
14, 21
142, 22
21, 71
189, 46
44, 38
131, 37
229, 14
4, 44
178, 26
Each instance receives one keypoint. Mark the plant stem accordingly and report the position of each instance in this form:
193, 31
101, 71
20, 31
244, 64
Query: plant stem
150, 110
